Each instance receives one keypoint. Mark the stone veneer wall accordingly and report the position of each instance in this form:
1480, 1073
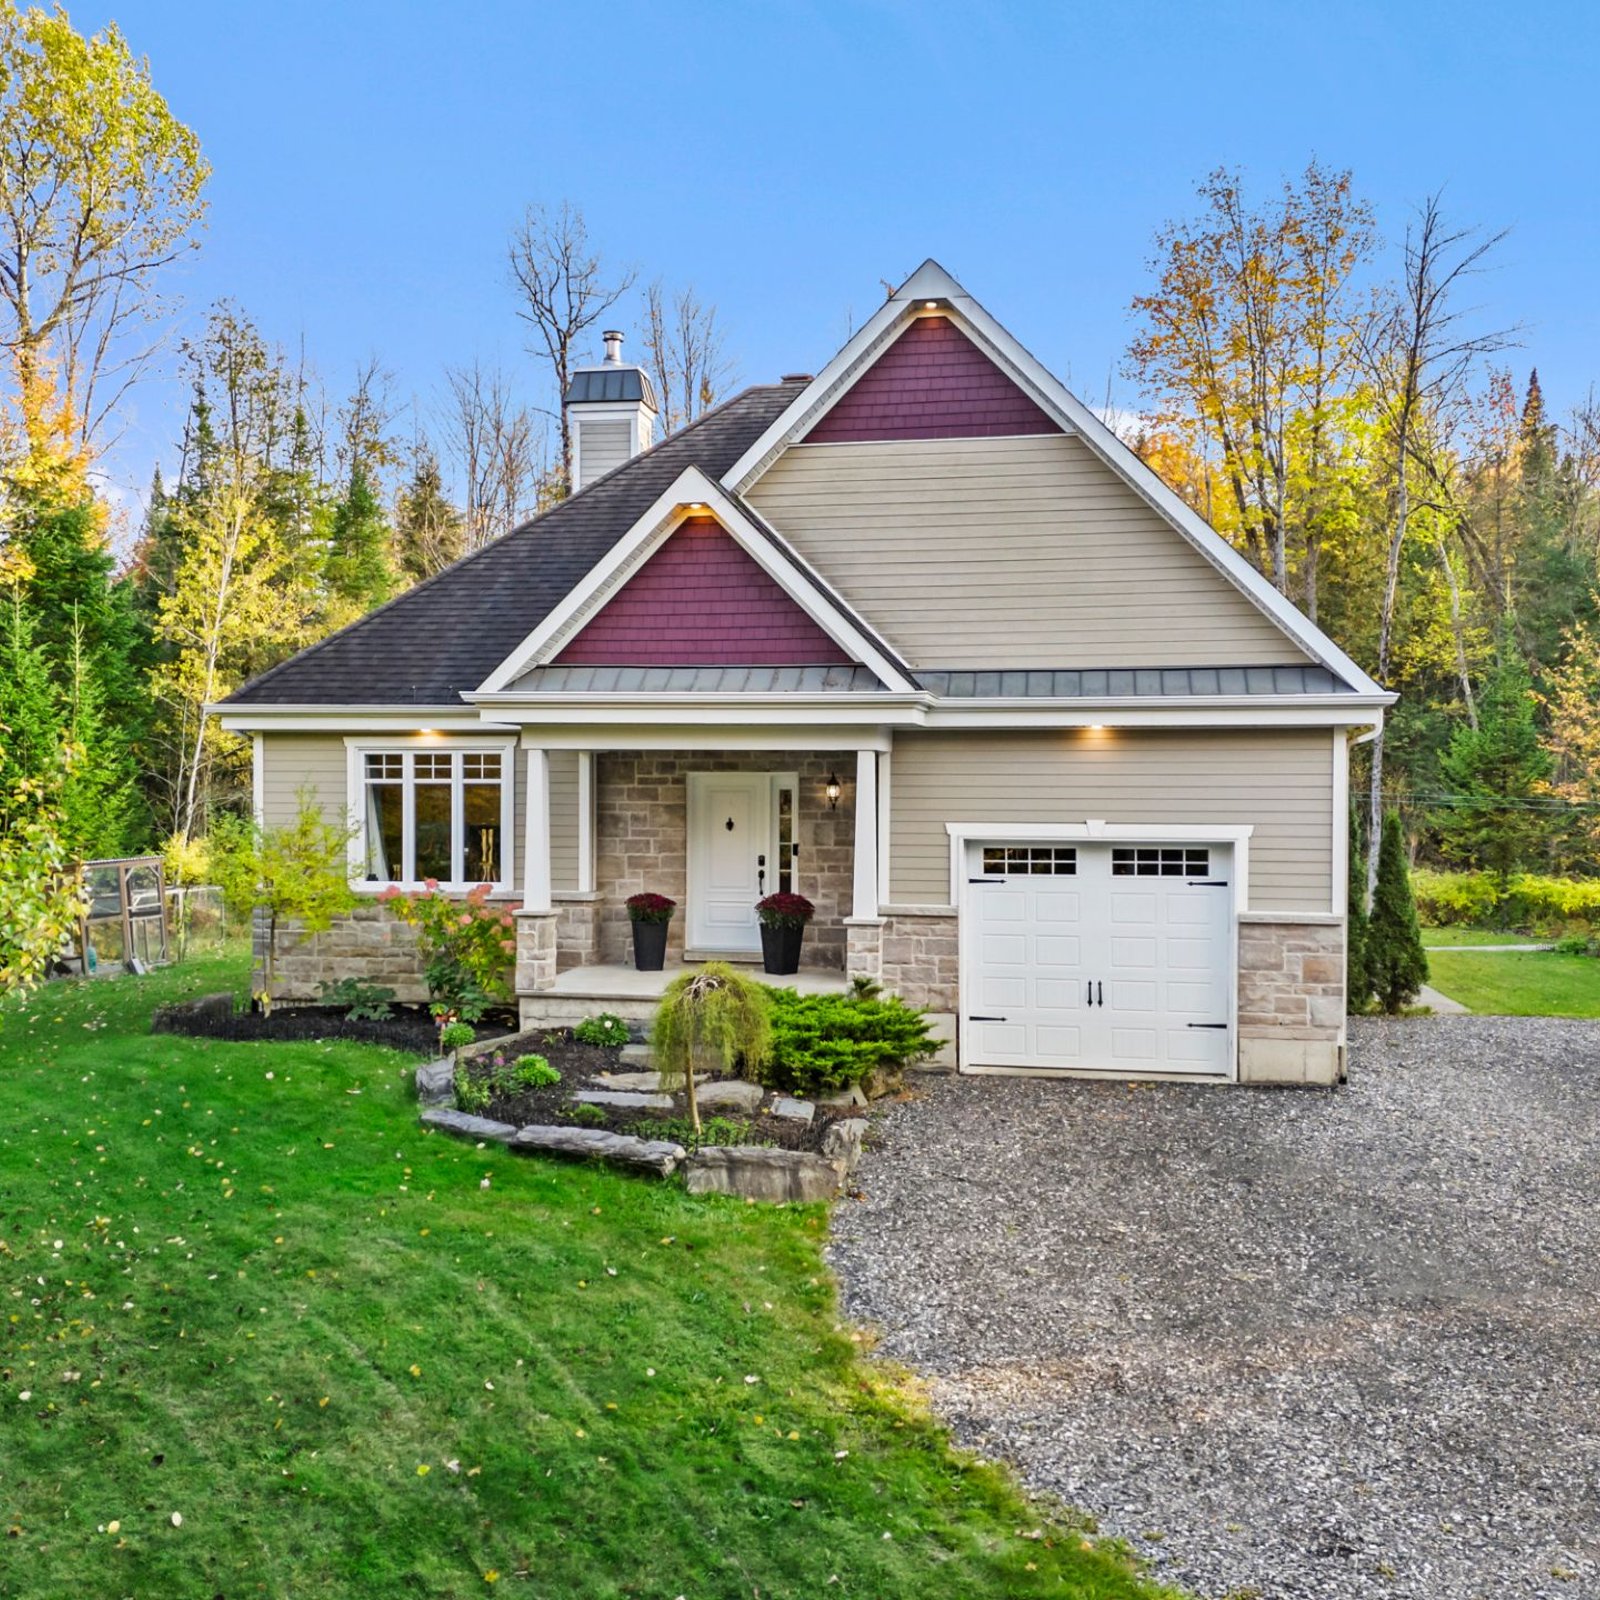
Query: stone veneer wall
641, 841
1291, 1001
577, 929
916, 954
368, 944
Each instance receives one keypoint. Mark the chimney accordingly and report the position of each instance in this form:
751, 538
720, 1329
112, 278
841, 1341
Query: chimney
611, 410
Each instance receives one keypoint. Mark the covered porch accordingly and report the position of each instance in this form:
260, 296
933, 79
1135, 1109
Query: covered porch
713, 818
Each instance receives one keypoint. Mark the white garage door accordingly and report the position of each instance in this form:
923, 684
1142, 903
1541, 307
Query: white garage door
1100, 957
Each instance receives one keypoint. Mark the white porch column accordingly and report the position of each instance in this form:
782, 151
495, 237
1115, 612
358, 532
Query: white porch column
586, 822
536, 834
865, 897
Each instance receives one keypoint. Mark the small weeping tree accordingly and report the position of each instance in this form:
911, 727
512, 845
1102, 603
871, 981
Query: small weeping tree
715, 1017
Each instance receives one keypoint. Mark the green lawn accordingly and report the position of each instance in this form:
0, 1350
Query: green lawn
1536, 983
1474, 936
246, 1291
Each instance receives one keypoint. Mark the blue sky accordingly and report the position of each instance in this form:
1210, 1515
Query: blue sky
370, 159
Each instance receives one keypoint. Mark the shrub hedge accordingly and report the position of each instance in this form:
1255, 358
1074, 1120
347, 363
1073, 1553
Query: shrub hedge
1529, 903
825, 1043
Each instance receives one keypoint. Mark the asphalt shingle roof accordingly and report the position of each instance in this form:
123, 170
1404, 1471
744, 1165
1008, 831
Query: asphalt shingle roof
444, 637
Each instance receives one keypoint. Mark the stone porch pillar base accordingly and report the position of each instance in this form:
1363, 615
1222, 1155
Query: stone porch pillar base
536, 951
864, 947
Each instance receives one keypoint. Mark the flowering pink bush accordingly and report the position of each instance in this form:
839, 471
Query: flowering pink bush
468, 948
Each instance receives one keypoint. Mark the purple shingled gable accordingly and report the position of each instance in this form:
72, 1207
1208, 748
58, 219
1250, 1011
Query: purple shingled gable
932, 383
701, 601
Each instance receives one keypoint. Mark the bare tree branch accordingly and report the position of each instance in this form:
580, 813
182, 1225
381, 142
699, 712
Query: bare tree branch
564, 291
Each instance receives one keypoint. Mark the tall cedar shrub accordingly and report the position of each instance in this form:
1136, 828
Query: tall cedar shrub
713, 1019
1396, 961
1358, 929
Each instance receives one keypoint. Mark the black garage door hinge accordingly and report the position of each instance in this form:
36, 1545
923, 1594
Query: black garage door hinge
987, 1019
1208, 1024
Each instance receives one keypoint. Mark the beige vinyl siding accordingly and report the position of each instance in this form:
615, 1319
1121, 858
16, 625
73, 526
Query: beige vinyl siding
293, 761
1010, 553
602, 446
563, 817
317, 761
1281, 783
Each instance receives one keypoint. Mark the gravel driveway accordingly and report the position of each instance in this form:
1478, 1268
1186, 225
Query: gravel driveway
1290, 1343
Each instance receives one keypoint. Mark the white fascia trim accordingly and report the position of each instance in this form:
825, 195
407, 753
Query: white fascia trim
931, 282
1096, 831
710, 738
692, 488
350, 719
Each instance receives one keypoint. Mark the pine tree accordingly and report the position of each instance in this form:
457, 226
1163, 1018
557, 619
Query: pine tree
1495, 772
1533, 407
358, 558
100, 803
1396, 962
1358, 929
428, 531
30, 708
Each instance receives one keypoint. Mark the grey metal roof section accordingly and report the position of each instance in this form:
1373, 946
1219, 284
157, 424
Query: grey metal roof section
441, 639
1116, 683
610, 383
698, 680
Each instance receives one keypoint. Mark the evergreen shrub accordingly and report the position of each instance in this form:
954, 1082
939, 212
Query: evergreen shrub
825, 1043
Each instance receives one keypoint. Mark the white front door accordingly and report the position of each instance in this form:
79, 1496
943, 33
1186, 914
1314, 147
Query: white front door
734, 826
1110, 958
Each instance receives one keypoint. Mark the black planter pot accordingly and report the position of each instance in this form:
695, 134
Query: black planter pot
650, 946
780, 948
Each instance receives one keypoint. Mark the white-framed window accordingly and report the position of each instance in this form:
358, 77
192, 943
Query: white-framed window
1163, 861
439, 812
1030, 860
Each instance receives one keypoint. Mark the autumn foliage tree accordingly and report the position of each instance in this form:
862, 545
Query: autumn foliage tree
1245, 341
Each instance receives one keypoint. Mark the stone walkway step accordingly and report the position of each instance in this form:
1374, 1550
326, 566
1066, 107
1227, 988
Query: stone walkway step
1441, 1004
622, 1100
649, 1082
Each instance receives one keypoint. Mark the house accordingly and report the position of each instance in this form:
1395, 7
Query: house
917, 637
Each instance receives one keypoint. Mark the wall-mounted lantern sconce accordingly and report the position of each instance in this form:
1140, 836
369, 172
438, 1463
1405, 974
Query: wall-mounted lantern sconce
833, 789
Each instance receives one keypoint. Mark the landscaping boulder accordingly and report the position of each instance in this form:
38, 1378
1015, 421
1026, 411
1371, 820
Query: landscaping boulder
798, 1110
841, 1141
883, 1080
623, 1100
730, 1092
436, 1081
466, 1126
852, 1096
656, 1156
754, 1172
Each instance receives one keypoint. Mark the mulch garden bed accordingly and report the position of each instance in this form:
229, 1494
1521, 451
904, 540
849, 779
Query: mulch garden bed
411, 1028
580, 1066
